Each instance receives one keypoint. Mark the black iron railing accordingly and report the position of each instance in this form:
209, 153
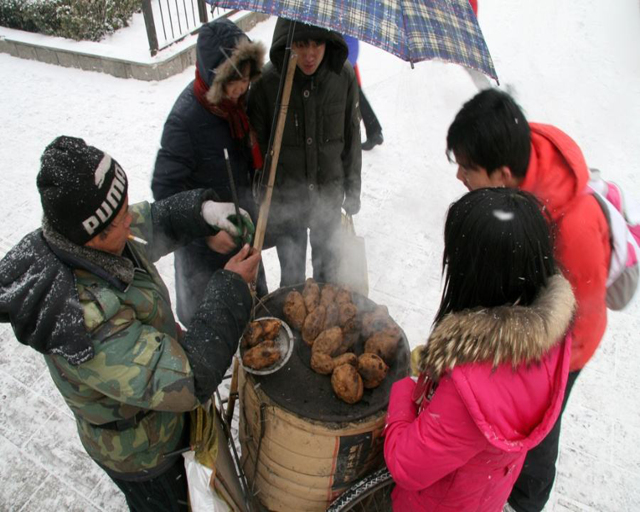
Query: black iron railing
169, 21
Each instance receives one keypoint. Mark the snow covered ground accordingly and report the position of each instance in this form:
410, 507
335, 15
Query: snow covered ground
572, 64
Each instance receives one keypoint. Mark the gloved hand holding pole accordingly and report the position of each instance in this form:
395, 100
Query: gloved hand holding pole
227, 217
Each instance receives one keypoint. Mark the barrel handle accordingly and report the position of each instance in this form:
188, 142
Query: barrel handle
263, 420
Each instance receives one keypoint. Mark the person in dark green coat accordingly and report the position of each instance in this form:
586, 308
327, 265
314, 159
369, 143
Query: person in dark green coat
320, 159
83, 291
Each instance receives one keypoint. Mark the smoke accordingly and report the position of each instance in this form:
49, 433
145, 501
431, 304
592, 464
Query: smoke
298, 227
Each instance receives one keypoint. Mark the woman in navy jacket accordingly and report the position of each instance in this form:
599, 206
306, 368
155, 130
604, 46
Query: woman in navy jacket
207, 118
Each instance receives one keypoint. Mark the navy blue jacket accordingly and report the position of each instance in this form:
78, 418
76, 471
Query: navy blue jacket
192, 153
193, 140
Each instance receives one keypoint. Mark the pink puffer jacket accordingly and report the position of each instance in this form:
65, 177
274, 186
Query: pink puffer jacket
464, 450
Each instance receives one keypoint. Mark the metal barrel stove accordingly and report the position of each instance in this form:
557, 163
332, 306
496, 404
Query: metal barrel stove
309, 445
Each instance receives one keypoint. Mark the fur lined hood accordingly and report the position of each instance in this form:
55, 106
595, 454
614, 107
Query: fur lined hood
221, 50
506, 334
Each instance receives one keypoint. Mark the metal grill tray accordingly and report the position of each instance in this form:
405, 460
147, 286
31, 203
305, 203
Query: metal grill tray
283, 342
298, 389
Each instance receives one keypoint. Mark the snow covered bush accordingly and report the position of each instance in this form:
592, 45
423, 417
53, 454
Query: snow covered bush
75, 19
32, 16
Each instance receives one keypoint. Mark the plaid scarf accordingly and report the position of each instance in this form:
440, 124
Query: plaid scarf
236, 116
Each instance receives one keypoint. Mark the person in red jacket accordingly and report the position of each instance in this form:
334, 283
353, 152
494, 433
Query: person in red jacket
494, 145
494, 370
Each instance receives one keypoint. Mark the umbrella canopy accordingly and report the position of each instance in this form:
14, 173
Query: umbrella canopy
413, 30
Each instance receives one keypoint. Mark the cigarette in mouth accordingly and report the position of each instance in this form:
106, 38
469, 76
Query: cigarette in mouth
137, 239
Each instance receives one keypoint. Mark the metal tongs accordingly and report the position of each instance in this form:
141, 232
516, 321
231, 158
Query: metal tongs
234, 196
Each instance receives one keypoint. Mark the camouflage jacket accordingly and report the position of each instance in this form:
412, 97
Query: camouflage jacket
138, 362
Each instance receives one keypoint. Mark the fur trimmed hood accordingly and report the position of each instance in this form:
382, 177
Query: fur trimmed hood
505, 334
246, 51
223, 48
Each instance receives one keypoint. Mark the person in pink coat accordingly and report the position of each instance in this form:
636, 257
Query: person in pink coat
494, 369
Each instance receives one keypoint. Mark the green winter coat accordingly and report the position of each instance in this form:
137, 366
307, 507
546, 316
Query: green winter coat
320, 158
140, 362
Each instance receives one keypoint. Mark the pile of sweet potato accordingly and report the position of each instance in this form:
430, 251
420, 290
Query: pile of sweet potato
331, 324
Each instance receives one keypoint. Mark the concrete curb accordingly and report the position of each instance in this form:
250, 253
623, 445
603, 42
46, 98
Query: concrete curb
119, 68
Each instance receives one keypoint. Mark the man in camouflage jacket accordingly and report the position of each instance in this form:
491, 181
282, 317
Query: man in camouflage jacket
85, 295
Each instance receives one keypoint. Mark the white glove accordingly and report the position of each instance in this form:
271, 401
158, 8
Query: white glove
223, 216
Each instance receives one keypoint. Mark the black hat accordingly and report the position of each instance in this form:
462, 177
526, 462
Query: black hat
81, 188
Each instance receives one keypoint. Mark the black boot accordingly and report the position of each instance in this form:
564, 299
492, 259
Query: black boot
372, 141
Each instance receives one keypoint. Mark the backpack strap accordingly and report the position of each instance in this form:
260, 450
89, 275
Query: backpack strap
605, 211
623, 275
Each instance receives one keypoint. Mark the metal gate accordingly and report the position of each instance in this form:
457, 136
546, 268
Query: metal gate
169, 21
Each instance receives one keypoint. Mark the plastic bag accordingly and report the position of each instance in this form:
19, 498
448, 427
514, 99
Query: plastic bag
352, 270
214, 484
202, 496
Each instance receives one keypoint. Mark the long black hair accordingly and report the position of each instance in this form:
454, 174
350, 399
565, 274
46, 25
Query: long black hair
498, 250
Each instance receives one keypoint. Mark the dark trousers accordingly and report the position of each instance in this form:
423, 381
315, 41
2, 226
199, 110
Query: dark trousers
291, 245
371, 123
194, 265
533, 487
165, 493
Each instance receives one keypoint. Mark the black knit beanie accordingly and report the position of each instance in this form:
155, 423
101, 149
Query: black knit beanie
81, 188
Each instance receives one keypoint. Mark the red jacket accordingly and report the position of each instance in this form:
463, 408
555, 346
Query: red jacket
558, 176
465, 449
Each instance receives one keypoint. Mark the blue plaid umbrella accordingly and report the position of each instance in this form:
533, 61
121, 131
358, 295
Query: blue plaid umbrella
414, 30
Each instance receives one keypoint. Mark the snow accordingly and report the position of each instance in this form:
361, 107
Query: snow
131, 43
572, 64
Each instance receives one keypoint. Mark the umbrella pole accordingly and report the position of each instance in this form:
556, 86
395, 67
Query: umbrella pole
284, 93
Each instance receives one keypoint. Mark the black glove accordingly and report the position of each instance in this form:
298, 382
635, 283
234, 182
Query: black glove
351, 205
213, 334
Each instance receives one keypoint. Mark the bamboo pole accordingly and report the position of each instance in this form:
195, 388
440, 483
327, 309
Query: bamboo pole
263, 216
233, 393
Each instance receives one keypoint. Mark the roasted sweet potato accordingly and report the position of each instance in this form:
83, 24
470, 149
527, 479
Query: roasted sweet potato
383, 345
270, 328
261, 356
328, 294
313, 325
311, 295
328, 341
350, 335
347, 311
322, 363
332, 317
374, 321
379, 321
294, 310
372, 369
392, 329
347, 383
252, 335
343, 295
348, 358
